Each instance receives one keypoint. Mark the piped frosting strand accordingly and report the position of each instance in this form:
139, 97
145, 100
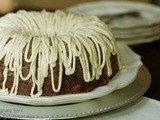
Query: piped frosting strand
42, 38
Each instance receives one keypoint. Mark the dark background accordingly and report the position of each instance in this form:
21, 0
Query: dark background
150, 54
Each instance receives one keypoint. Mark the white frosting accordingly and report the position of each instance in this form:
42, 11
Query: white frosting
50, 38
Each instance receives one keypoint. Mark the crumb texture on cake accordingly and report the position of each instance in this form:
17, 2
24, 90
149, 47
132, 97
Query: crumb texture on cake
44, 47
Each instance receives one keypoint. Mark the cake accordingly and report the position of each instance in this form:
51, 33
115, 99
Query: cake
55, 53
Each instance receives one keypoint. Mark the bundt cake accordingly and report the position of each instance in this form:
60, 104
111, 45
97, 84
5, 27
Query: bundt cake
54, 53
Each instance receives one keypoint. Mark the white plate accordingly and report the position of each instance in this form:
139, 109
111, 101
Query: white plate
141, 32
150, 14
139, 40
122, 79
103, 104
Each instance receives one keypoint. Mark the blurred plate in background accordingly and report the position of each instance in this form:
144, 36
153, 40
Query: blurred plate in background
131, 22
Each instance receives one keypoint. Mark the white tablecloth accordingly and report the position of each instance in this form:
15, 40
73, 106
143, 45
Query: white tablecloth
142, 109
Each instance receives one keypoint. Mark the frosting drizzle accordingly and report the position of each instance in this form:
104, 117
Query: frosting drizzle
42, 39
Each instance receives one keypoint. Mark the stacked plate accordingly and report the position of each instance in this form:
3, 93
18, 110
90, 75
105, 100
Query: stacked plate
131, 22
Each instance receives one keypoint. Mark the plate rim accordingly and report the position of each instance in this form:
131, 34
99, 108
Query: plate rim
140, 41
78, 7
